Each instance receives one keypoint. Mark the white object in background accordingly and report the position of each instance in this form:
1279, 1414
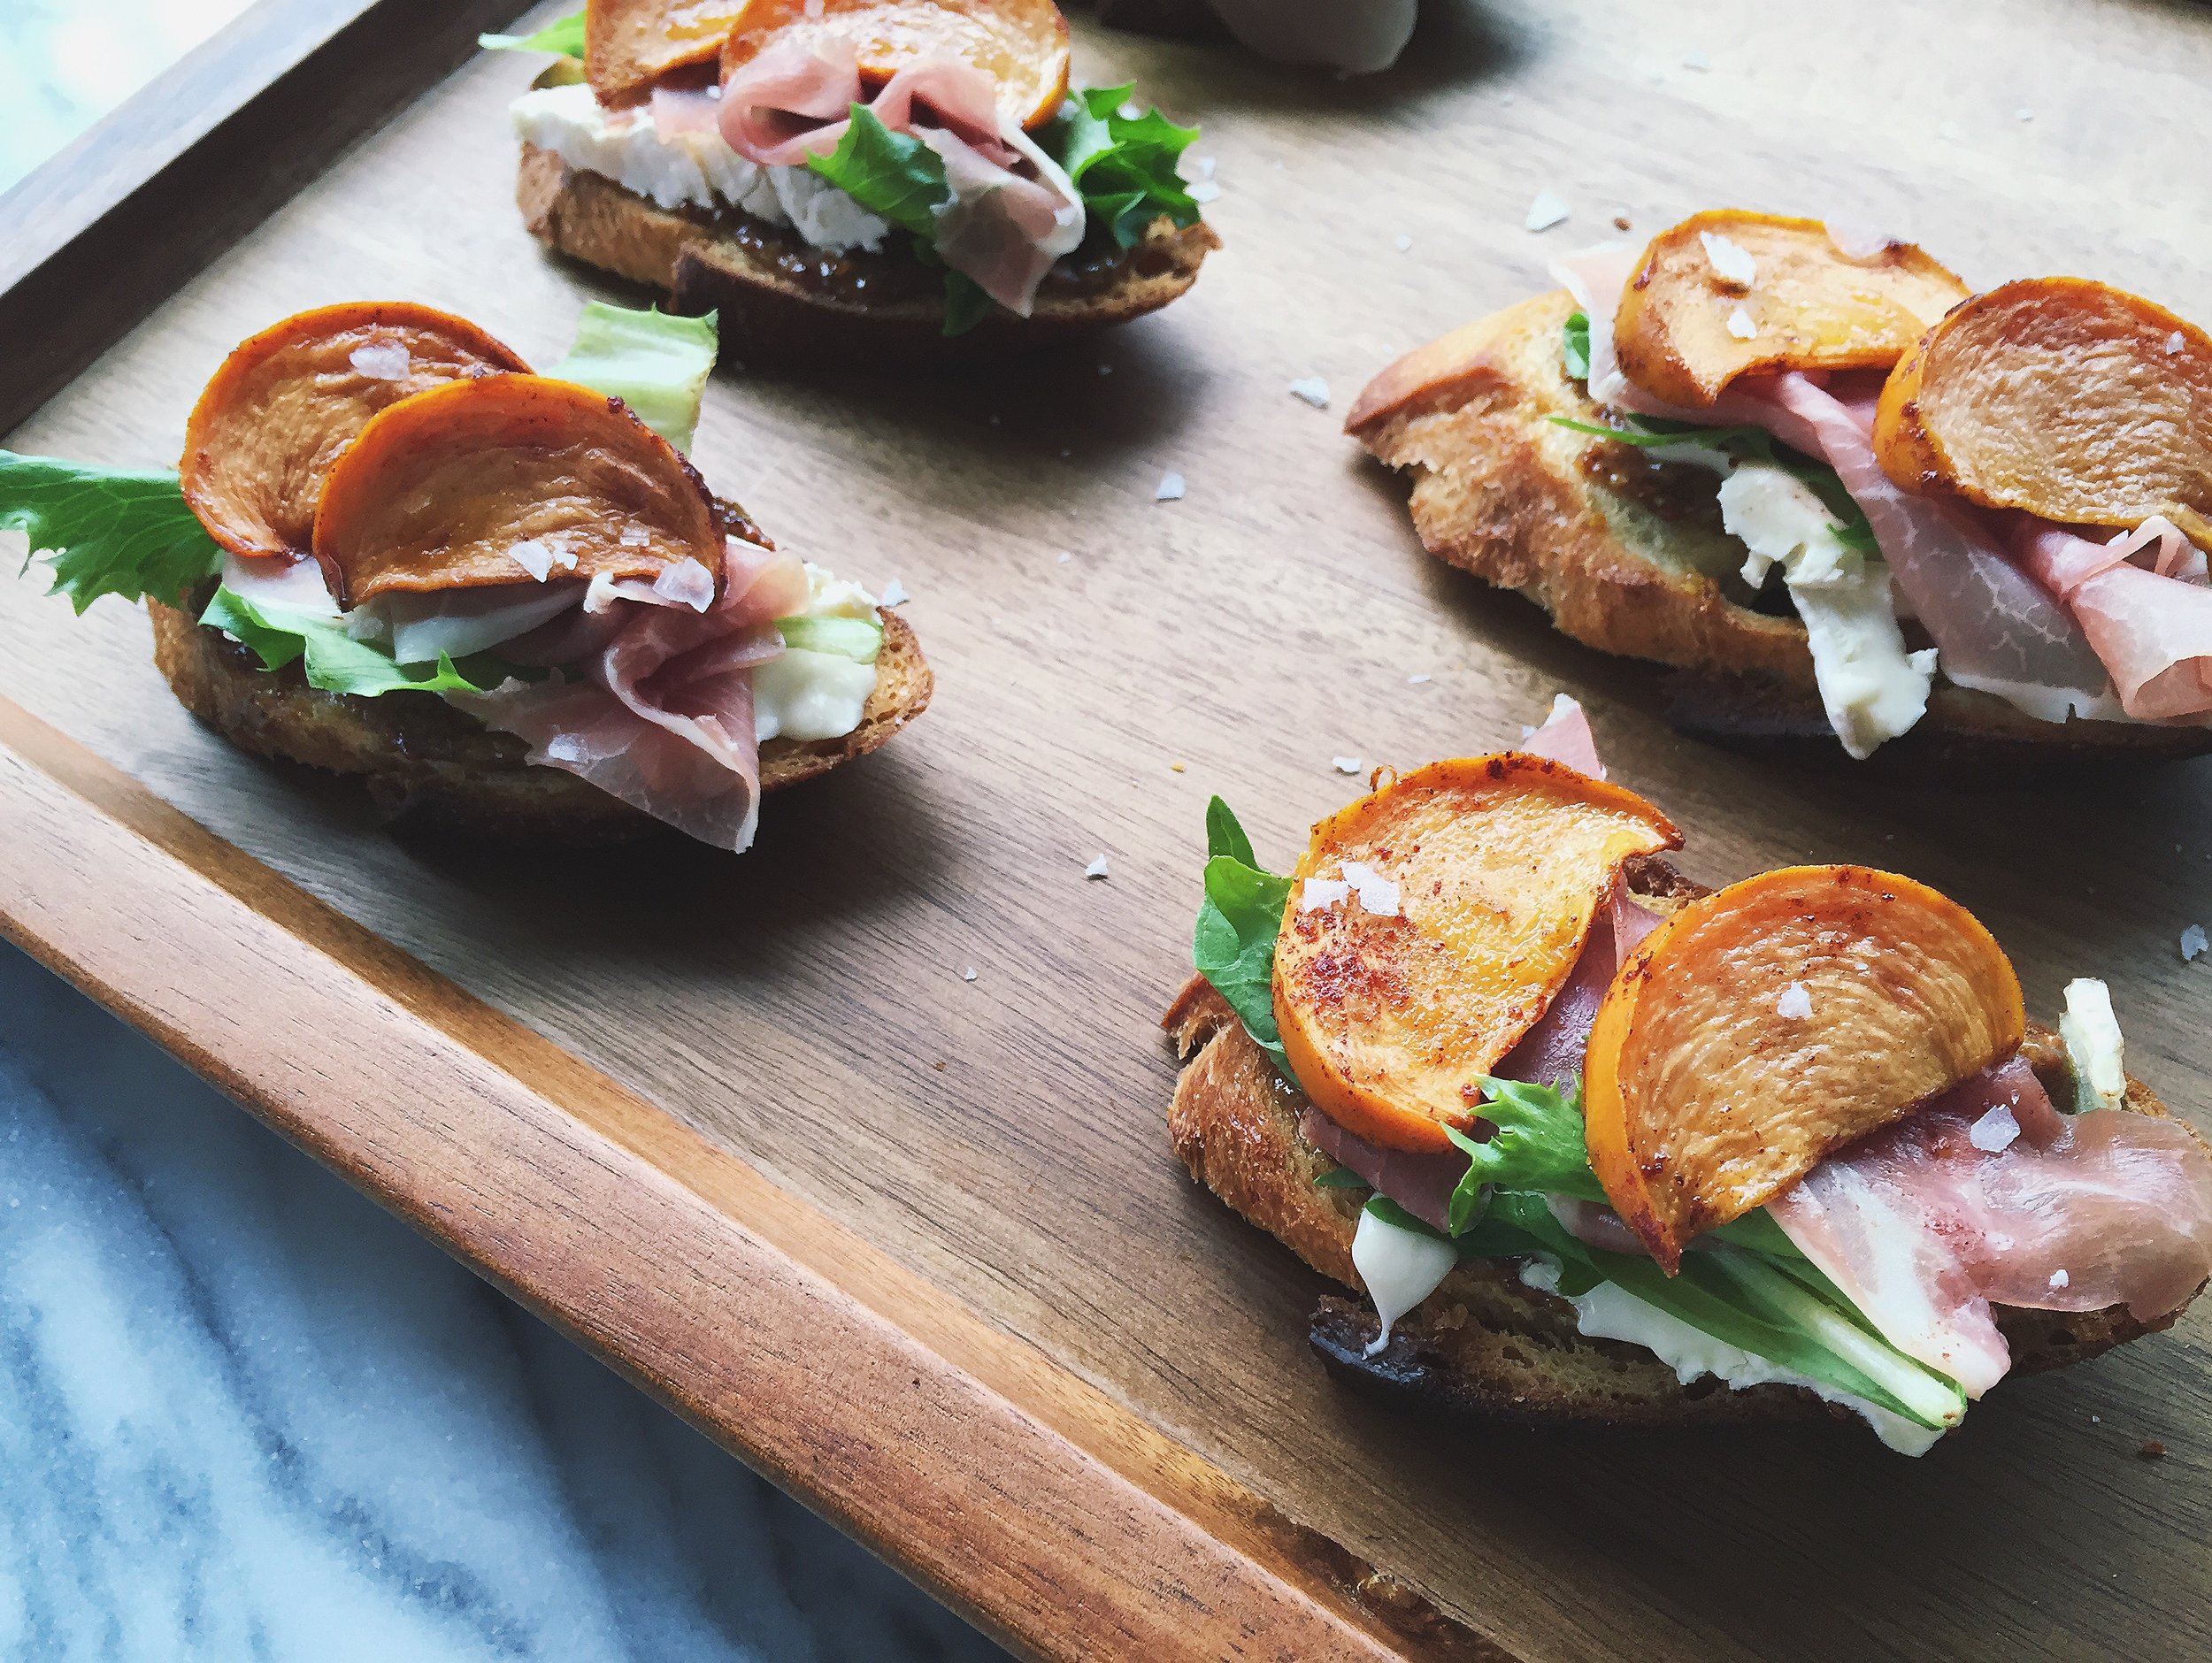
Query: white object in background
1356, 36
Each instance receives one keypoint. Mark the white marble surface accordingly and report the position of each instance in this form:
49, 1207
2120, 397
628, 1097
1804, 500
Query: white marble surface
244, 1414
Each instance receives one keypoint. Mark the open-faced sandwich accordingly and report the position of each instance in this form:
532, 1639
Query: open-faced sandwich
1811, 472
507, 601
882, 180
1603, 1146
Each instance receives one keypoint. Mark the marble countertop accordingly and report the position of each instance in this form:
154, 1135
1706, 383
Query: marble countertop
244, 1414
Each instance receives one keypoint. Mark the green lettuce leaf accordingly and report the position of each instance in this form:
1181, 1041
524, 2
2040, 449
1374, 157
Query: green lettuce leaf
966, 302
1390, 1212
1124, 165
1538, 1146
1755, 444
894, 176
564, 37
335, 661
1574, 347
654, 362
105, 531
1233, 943
1341, 1178
858, 639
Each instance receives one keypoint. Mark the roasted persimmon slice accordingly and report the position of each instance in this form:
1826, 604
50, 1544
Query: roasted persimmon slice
1022, 45
630, 45
1728, 293
283, 405
1493, 867
1765, 1026
505, 479
2070, 399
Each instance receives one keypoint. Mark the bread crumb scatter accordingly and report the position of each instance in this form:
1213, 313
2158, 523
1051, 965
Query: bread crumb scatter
2151, 1449
1176, 767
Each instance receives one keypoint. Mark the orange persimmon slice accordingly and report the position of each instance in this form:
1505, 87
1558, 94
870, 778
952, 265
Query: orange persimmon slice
283, 405
1728, 293
1022, 45
2070, 399
630, 45
1390, 1018
1767, 1025
505, 479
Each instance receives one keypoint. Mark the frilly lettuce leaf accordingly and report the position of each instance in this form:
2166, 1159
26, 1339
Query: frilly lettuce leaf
654, 362
336, 663
1125, 166
105, 531
563, 37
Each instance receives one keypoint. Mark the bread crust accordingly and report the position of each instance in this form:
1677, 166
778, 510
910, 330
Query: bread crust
431, 768
769, 317
1613, 549
1483, 1341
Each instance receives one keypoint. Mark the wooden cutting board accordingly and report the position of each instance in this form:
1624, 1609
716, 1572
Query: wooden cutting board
913, 1243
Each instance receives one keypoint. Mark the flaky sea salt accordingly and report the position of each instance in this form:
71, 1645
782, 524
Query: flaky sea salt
1322, 892
1739, 324
1313, 390
2193, 943
1170, 488
1731, 260
1796, 1003
894, 593
1994, 1131
2058, 1278
1345, 764
1096, 869
1548, 210
1377, 893
383, 360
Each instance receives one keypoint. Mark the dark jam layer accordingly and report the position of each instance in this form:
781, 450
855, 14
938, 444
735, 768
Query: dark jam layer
1680, 493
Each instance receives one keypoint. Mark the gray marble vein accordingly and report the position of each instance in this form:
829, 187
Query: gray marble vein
245, 1414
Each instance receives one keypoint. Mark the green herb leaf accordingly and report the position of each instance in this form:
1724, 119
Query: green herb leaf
105, 531
1538, 1145
654, 362
1341, 1178
1124, 165
1574, 345
893, 175
1226, 836
966, 302
1391, 1214
563, 37
858, 639
335, 661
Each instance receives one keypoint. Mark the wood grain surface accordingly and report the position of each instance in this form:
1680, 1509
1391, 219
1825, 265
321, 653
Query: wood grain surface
803, 1009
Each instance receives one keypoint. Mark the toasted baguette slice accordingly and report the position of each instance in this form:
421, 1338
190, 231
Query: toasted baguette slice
1629, 556
783, 301
1483, 1341
432, 767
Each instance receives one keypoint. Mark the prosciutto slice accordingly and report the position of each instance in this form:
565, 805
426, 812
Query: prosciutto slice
659, 711
1013, 212
1989, 1196
2152, 625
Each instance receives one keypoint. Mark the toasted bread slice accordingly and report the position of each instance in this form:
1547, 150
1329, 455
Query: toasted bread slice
1484, 1341
783, 301
1629, 556
432, 767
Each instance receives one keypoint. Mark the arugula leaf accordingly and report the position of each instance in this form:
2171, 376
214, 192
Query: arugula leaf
105, 531
858, 639
1226, 836
654, 362
1537, 1146
1574, 345
1341, 1178
1234, 945
1755, 444
1124, 165
894, 176
564, 36
966, 302
1391, 1214
336, 663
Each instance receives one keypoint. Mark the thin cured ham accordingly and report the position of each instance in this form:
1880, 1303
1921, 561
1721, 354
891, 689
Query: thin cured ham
1990, 1196
1012, 213
659, 709
2152, 625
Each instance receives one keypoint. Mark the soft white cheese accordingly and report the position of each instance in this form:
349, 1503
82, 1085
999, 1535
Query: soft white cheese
1400, 1268
1609, 1311
1873, 689
2092, 1035
807, 695
697, 168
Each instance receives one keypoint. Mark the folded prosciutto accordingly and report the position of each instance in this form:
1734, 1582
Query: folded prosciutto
1013, 210
1990, 1196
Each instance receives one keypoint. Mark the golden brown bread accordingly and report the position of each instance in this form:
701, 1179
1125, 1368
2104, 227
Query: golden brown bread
1484, 1341
781, 302
432, 767
1629, 556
